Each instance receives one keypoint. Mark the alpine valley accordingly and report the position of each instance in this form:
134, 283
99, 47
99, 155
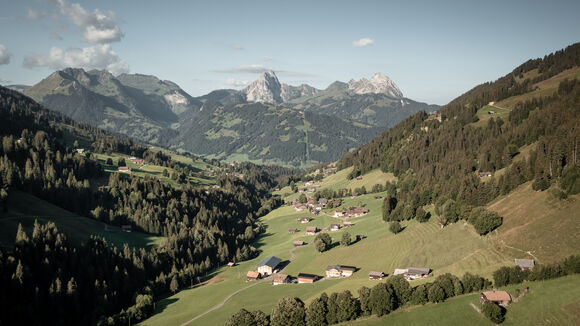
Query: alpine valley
266, 122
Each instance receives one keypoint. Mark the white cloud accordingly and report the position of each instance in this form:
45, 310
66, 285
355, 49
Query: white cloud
365, 41
237, 47
236, 83
97, 26
253, 69
4, 55
32, 14
267, 58
98, 56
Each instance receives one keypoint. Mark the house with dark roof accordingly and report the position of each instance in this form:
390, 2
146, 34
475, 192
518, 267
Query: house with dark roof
268, 265
311, 230
413, 273
307, 278
525, 264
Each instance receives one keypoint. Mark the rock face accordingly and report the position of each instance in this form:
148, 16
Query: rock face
266, 89
378, 84
293, 92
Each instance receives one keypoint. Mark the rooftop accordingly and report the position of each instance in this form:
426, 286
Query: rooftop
272, 262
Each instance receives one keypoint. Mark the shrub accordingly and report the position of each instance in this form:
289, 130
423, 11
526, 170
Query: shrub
395, 227
494, 312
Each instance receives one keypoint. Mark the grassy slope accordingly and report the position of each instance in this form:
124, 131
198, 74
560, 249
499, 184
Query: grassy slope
454, 249
553, 302
25, 209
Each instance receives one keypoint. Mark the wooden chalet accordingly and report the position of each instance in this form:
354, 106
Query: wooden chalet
340, 271
339, 213
323, 202
231, 264
268, 265
374, 276
280, 278
124, 169
357, 212
347, 224
307, 278
305, 220
413, 273
298, 243
311, 230
253, 276
334, 227
300, 207
292, 230
525, 264
501, 298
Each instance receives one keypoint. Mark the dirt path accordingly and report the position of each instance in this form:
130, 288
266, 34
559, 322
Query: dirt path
475, 307
221, 304
518, 249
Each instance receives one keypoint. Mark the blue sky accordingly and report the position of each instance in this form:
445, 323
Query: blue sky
434, 50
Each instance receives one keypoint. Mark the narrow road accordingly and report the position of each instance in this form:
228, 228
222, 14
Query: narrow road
475, 307
221, 304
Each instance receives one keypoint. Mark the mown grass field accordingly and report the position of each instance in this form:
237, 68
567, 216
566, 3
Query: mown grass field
484, 116
553, 302
25, 209
456, 249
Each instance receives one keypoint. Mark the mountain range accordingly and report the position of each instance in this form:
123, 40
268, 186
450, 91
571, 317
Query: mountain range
267, 122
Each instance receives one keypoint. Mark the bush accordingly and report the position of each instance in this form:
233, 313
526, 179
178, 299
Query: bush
395, 227
494, 312
288, 311
322, 242
346, 239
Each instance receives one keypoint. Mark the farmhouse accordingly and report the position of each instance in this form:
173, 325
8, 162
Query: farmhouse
231, 264
525, 264
376, 275
357, 212
311, 230
334, 227
292, 230
501, 298
338, 213
413, 273
311, 202
124, 169
307, 278
252, 276
298, 243
279, 278
305, 220
347, 224
336, 202
323, 202
300, 207
340, 271
268, 265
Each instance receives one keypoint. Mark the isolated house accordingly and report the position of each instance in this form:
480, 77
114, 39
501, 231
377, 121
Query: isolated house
292, 230
338, 213
525, 264
501, 298
268, 265
231, 264
279, 278
376, 275
357, 212
124, 169
298, 243
347, 224
334, 227
413, 273
307, 278
323, 202
252, 276
311, 230
305, 220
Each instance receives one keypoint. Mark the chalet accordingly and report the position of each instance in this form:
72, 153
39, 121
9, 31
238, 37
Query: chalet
268, 265
298, 243
485, 174
357, 212
305, 220
231, 264
311, 202
138, 161
280, 278
292, 230
300, 207
253, 276
347, 224
525, 264
340, 271
311, 230
413, 273
374, 276
307, 278
323, 202
501, 298
334, 227
124, 169
339, 213
277, 189
336, 202
126, 228
318, 207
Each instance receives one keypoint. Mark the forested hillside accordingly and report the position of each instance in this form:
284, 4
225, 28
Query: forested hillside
47, 280
438, 157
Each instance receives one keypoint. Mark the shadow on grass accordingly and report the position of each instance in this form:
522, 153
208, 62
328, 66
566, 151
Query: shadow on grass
260, 242
164, 303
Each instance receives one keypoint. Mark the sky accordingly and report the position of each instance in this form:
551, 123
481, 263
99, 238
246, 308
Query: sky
433, 50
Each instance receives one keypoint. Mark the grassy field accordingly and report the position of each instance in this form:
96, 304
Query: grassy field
456, 249
484, 116
553, 302
25, 209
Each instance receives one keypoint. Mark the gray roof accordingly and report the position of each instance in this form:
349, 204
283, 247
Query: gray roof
525, 263
373, 273
270, 262
418, 270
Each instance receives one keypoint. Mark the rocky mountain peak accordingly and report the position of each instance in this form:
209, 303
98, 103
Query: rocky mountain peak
266, 89
378, 84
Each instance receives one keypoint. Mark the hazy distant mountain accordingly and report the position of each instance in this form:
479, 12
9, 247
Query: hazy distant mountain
18, 88
267, 89
378, 84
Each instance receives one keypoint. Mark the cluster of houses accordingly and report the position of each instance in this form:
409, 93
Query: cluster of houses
352, 212
413, 273
326, 171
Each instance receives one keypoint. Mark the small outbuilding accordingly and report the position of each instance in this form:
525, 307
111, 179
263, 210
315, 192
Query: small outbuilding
373, 276
298, 243
525, 264
307, 278
501, 298
334, 227
292, 230
280, 278
253, 276
311, 230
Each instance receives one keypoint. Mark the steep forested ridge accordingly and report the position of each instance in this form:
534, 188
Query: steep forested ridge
47, 280
437, 157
